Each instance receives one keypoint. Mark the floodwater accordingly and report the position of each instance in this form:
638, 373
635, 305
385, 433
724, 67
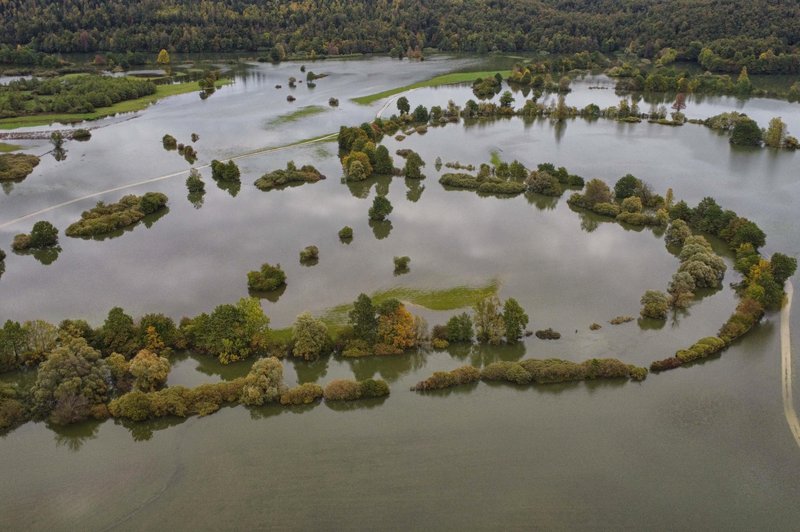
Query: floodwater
699, 447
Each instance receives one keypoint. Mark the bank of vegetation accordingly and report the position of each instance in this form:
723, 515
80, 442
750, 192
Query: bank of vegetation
104, 218
290, 176
17, 166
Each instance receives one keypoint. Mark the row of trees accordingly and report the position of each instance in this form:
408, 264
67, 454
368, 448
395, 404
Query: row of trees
71, 94
756, 33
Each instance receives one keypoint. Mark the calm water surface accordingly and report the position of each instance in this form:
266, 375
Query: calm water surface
701, 447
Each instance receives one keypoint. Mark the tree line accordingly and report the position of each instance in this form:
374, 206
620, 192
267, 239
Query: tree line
734, 33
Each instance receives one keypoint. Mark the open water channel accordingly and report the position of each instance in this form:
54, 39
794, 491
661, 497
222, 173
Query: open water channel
699, 447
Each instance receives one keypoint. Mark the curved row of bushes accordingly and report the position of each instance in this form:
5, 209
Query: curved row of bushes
534, 371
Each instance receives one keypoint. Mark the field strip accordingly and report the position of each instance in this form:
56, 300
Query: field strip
786, 366
161, 178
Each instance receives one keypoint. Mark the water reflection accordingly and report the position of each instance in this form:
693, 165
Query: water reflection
415, 189
46, 256
143, 430
361, 404
74, 436
541, 202
196, 199
310, 371
381, 229
272, 296
390, 368
231, 187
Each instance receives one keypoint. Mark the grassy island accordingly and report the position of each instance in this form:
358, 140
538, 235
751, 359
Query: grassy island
16, 166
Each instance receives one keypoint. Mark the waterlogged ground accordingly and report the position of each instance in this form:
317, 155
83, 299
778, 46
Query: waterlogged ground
700, 447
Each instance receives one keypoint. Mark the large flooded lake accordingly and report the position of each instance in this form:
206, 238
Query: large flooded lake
700, 447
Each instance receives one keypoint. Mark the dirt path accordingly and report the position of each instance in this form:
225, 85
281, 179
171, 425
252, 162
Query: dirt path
786, 366
155, 179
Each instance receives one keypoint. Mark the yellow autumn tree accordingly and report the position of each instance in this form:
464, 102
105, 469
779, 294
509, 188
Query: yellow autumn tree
396, 327
163, 57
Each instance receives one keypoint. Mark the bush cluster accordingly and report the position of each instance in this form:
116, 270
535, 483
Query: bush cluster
447, 379
291, 175
103, 219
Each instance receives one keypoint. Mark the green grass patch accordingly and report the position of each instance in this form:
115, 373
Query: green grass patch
280, 335
445, 79
302, 112
5, 148
444, 299
128, 106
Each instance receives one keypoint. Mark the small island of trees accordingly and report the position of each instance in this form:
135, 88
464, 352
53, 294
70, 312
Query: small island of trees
128, 211
291, 176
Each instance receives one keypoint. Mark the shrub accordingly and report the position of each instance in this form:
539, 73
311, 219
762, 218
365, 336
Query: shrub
372, 388
356, 348
548, 334
266, 279
129, 210
225, 171
310, 253
439, 343
14, 166
310, 337
459, 328
302, 395
194, 183
496, 371
169, 142
746, 133
291, 175
346, 233
401, 264
342, 390
666, 364
637, 373
654, 305
81, 134
333, 102
621, 319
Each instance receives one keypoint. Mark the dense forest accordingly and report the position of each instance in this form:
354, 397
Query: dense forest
735, 33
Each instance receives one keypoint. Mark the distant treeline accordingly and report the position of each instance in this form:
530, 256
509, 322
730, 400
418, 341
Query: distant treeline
735, 33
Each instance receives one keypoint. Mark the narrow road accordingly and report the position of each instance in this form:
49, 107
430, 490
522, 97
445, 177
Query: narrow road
159, 178
786, 366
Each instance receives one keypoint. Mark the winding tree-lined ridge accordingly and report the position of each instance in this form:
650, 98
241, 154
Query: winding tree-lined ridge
786, 365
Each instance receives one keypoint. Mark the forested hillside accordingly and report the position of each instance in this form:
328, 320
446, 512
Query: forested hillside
737, 32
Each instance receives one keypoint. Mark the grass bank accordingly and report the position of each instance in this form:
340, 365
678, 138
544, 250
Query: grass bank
445, 79
302, 112
128, 106
5, 148
445, 299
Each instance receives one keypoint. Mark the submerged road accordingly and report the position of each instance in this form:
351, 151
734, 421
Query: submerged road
160, 178
786, 366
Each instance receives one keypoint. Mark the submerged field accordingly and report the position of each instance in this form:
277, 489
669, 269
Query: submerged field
558, 456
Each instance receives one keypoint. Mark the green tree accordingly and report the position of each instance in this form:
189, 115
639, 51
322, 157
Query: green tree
597, 192
654, 305
677, 232
381, 208
627, 186
70, 383
681, 289
149, 370
515, 320
776, 133
264, 382
363, 319
488, 321
310, 337
782, 265
743, 84
13, 339
459, 328
231, 332
746, 133
119, 334
412, 167
506, 99
403, 106
384, 165
43, 235
421, 114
